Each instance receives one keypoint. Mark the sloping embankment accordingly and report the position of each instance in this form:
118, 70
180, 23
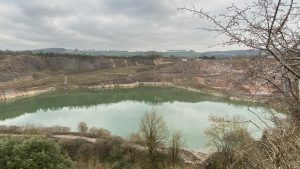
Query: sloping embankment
26, 75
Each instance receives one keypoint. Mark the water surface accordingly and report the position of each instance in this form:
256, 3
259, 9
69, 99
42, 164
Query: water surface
120, 110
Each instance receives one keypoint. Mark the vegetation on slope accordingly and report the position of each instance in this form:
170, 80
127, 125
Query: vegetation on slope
29, 146
32, 153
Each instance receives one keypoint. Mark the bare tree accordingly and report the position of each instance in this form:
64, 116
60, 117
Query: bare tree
176, 144
228, 136
271, 26
154, 132
82, 127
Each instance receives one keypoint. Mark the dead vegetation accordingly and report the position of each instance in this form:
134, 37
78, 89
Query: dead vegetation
270, 26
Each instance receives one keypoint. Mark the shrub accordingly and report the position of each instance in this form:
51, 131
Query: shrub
82, 127
71, 147
136, 138
32, 153
31, 129
229, 136
10, 129
99, 132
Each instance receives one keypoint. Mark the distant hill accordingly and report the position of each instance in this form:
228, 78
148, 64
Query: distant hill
231, 53
181, 53
169, 53
50, 50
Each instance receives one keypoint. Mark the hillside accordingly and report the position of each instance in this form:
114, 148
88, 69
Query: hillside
24, 72
169, 53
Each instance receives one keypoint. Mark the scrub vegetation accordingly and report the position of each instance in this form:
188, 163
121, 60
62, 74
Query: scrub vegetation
94, 148
270, 26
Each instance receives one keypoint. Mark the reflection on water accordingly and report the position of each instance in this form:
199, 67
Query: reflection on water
120, 110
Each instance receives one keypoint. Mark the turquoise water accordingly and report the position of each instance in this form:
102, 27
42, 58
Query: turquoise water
120, 110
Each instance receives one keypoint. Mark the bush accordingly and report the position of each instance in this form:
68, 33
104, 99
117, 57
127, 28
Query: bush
99, 132
229, 136
32, 129
72, 147
136, 138
32, 153
82, 127
10, 129
104, 148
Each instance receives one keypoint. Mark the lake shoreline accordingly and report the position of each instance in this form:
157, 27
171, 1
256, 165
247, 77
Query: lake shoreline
13, 95
88, 94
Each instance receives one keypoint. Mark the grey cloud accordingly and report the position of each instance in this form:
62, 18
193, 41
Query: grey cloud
148, 9
101, 24
40, 10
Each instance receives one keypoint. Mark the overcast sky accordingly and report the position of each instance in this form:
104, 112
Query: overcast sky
132, 25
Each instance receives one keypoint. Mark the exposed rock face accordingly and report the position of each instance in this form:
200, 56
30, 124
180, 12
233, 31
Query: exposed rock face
70, 64
20, 73
11, 94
